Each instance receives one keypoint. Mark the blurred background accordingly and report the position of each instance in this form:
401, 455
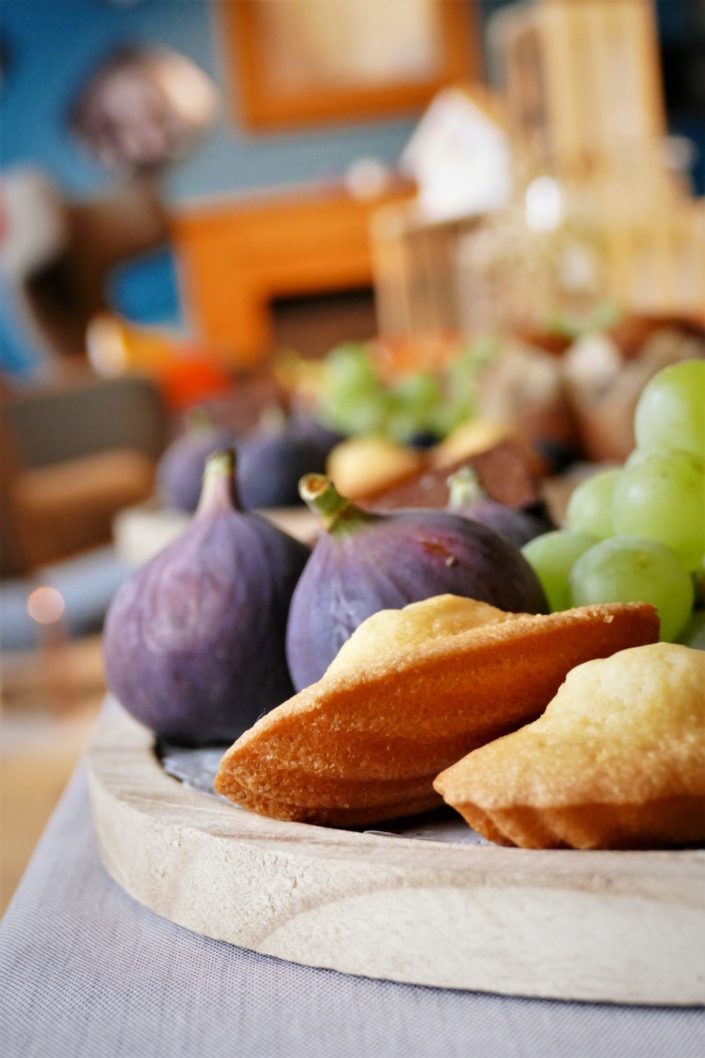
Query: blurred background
468, 226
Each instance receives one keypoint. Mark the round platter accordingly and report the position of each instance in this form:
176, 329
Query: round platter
625, 927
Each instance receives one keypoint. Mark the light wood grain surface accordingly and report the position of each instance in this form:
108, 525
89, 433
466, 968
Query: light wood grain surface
626, 927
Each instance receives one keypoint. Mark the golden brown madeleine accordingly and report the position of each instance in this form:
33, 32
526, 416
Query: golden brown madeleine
616, 761
412, 691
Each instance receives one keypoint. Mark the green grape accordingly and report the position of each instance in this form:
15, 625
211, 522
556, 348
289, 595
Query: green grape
590, 505
573, 326
350, 366
631, 569
551, 557
354, 400
448, 417
413, 404
700, 582
421, 391
693, 635
401, 425
660, 495
671, 409
354, 411
462, 377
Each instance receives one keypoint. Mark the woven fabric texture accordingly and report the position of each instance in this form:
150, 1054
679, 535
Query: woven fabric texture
85, 972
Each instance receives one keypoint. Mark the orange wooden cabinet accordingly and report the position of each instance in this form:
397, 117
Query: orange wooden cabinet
236, 257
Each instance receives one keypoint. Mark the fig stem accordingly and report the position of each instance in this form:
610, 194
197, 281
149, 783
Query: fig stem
219, 489
321, 496
465, 488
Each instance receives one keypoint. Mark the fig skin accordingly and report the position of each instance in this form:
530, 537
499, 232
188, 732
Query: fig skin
367, 562
270, 465
180, 469
194, 641
469, 499
273, 457
516, 526
304, 425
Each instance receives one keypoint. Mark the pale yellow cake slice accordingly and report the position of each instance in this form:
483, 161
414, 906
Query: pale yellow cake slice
411, 692
616, 761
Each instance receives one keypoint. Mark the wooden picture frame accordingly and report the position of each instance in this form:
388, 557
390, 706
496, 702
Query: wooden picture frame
262, 104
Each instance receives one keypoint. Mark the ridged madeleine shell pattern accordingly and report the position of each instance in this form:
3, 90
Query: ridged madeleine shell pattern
364, 745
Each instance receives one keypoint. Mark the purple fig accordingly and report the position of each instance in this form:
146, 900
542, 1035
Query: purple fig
469, 499
180, 470
273, 458
194, 641
365, 562
303, 424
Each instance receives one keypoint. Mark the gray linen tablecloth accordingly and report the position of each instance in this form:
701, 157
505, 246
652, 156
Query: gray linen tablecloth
86, 972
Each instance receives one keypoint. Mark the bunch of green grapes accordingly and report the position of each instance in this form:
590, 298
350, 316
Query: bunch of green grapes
637, 533
413, 407
355, 400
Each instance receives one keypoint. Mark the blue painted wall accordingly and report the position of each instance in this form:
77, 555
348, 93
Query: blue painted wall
53, 44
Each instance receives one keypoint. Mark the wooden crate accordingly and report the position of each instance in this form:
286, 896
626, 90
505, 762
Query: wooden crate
584, 104
415, 273
582, 81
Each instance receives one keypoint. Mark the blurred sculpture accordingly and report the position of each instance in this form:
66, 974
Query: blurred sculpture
139, 111
143, 108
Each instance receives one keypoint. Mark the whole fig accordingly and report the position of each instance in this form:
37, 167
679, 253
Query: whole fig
180, 469
194, 641
303, 424
272, 459
365, 562
469, 499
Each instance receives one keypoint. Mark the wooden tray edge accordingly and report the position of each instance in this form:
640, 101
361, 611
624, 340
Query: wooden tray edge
615, 927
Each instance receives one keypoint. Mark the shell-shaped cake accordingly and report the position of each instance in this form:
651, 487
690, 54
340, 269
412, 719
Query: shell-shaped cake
412, 691
616, 761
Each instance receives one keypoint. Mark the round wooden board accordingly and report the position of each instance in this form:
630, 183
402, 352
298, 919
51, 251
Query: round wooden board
624, 927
